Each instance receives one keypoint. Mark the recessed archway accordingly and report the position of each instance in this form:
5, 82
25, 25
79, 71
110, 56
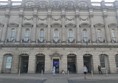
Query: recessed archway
40, 63
88, 61
71, 63
23, 63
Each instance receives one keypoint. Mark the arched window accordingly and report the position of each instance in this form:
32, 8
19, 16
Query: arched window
41, 36
116, 59
113, 35
13, 34
7, 63
27, 35
56, 35
102, 60
85, 35
70, 35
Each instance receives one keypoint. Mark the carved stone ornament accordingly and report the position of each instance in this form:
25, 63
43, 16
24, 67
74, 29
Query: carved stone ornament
84, 25
56, 55
99, 25
70, 25
56, 18
29, 4
112, 25
84, 18
43, 4
28, 18
12, 25
69, 4
42, 18
27, 25
56, 25
56, 4
42, 25
82, 4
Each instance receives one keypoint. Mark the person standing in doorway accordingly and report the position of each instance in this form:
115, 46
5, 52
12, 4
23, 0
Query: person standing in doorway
85, 70
53, 70
99, 69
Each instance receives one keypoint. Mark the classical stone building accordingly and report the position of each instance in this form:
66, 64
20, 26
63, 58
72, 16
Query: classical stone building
36, 35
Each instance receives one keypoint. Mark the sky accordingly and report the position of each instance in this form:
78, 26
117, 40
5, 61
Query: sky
91, 0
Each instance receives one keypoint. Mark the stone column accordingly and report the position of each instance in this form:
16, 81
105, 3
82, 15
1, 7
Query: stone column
33, 35
48, 64
93, 34
112, 63
78, 36
19, 33
63, 35
79, 62
4, 34
15, 63
96, 61
49, 23
31, 64
107, 35
63, 63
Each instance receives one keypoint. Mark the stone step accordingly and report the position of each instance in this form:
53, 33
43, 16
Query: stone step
56, 80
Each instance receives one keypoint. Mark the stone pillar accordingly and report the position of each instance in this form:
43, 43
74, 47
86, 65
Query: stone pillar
4, 34
33, 35
48, 64
63, 63
49, 23
93, 34
79, 62
1, 61
112, 63
78, 36
107, 35
19, 33
96, 61
63, 35
15, 63
31, 64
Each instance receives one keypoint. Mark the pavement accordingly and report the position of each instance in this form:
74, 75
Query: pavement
58, 78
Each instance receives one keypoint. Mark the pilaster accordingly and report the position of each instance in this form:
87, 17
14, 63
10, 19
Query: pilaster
31, 64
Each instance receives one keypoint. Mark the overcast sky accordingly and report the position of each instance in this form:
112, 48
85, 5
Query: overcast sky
91, 0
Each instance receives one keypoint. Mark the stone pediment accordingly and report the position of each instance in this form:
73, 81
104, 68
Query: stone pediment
84, 25
27, 25
57, 55
13, 25
99, 25
112, 25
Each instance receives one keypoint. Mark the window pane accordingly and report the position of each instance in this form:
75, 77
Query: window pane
8, 62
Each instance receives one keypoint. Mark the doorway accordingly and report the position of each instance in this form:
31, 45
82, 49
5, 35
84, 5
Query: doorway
71, 63
88, 62
56, 65
24, 64
40, 64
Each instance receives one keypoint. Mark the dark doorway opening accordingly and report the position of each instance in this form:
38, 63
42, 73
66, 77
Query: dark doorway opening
88, 62
71, 61
40, 64
56, 65
24, 64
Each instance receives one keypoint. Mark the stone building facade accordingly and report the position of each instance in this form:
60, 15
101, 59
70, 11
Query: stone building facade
36, 35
